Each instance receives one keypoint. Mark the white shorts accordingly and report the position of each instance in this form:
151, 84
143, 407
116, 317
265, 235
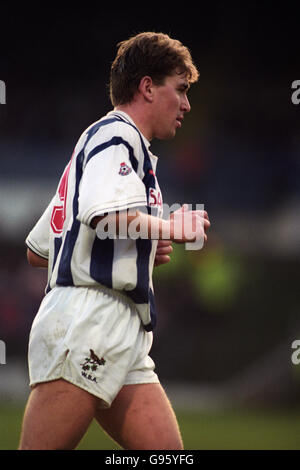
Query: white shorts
92, 338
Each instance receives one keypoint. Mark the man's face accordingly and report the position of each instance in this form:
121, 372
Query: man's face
170, 105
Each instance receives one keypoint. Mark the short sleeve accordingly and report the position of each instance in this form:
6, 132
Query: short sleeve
38, 238
110, 183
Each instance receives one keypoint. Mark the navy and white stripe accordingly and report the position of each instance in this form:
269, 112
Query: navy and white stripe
77, 257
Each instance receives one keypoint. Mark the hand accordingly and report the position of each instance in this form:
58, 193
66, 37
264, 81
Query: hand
189, 226
164, 248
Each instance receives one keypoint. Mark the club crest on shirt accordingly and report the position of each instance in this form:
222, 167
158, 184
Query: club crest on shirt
124, 169
91, 365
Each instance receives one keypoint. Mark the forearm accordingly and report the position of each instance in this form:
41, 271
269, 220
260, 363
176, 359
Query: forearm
150, 227
128, 224
35, 260
137, 224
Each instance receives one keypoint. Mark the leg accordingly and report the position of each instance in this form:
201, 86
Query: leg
56, 416
141, 417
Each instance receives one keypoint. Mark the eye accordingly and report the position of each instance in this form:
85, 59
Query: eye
183, 88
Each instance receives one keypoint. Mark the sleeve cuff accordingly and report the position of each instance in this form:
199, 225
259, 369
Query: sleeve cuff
115, 207
36, 249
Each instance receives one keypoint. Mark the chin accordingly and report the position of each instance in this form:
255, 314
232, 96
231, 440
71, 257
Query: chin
166, 135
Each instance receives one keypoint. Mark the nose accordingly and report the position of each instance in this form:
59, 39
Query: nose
185, 105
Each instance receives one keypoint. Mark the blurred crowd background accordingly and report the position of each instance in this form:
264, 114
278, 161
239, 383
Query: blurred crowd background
228, 314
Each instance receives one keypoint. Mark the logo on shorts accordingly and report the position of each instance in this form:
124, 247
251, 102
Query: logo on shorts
124, 169
91, 365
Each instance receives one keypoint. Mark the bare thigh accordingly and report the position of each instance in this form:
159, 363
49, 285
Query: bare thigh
141, 417
56, 416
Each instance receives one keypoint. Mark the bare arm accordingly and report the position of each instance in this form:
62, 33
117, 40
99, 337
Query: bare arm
159, 226
183, 225
35, 260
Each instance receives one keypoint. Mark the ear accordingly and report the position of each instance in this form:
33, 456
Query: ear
146, 88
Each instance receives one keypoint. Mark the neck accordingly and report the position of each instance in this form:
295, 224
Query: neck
140, 116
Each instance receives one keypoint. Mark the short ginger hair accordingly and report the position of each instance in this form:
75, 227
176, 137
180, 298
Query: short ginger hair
147, 54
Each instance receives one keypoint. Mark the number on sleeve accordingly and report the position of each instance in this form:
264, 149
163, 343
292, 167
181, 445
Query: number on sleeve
59, 212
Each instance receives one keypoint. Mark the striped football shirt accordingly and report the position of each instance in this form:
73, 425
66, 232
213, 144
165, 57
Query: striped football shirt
111, 169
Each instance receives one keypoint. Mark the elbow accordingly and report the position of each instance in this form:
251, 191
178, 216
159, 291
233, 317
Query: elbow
35, 260
31, 258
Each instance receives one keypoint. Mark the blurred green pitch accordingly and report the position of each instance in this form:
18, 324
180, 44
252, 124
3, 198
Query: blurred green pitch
237, 429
